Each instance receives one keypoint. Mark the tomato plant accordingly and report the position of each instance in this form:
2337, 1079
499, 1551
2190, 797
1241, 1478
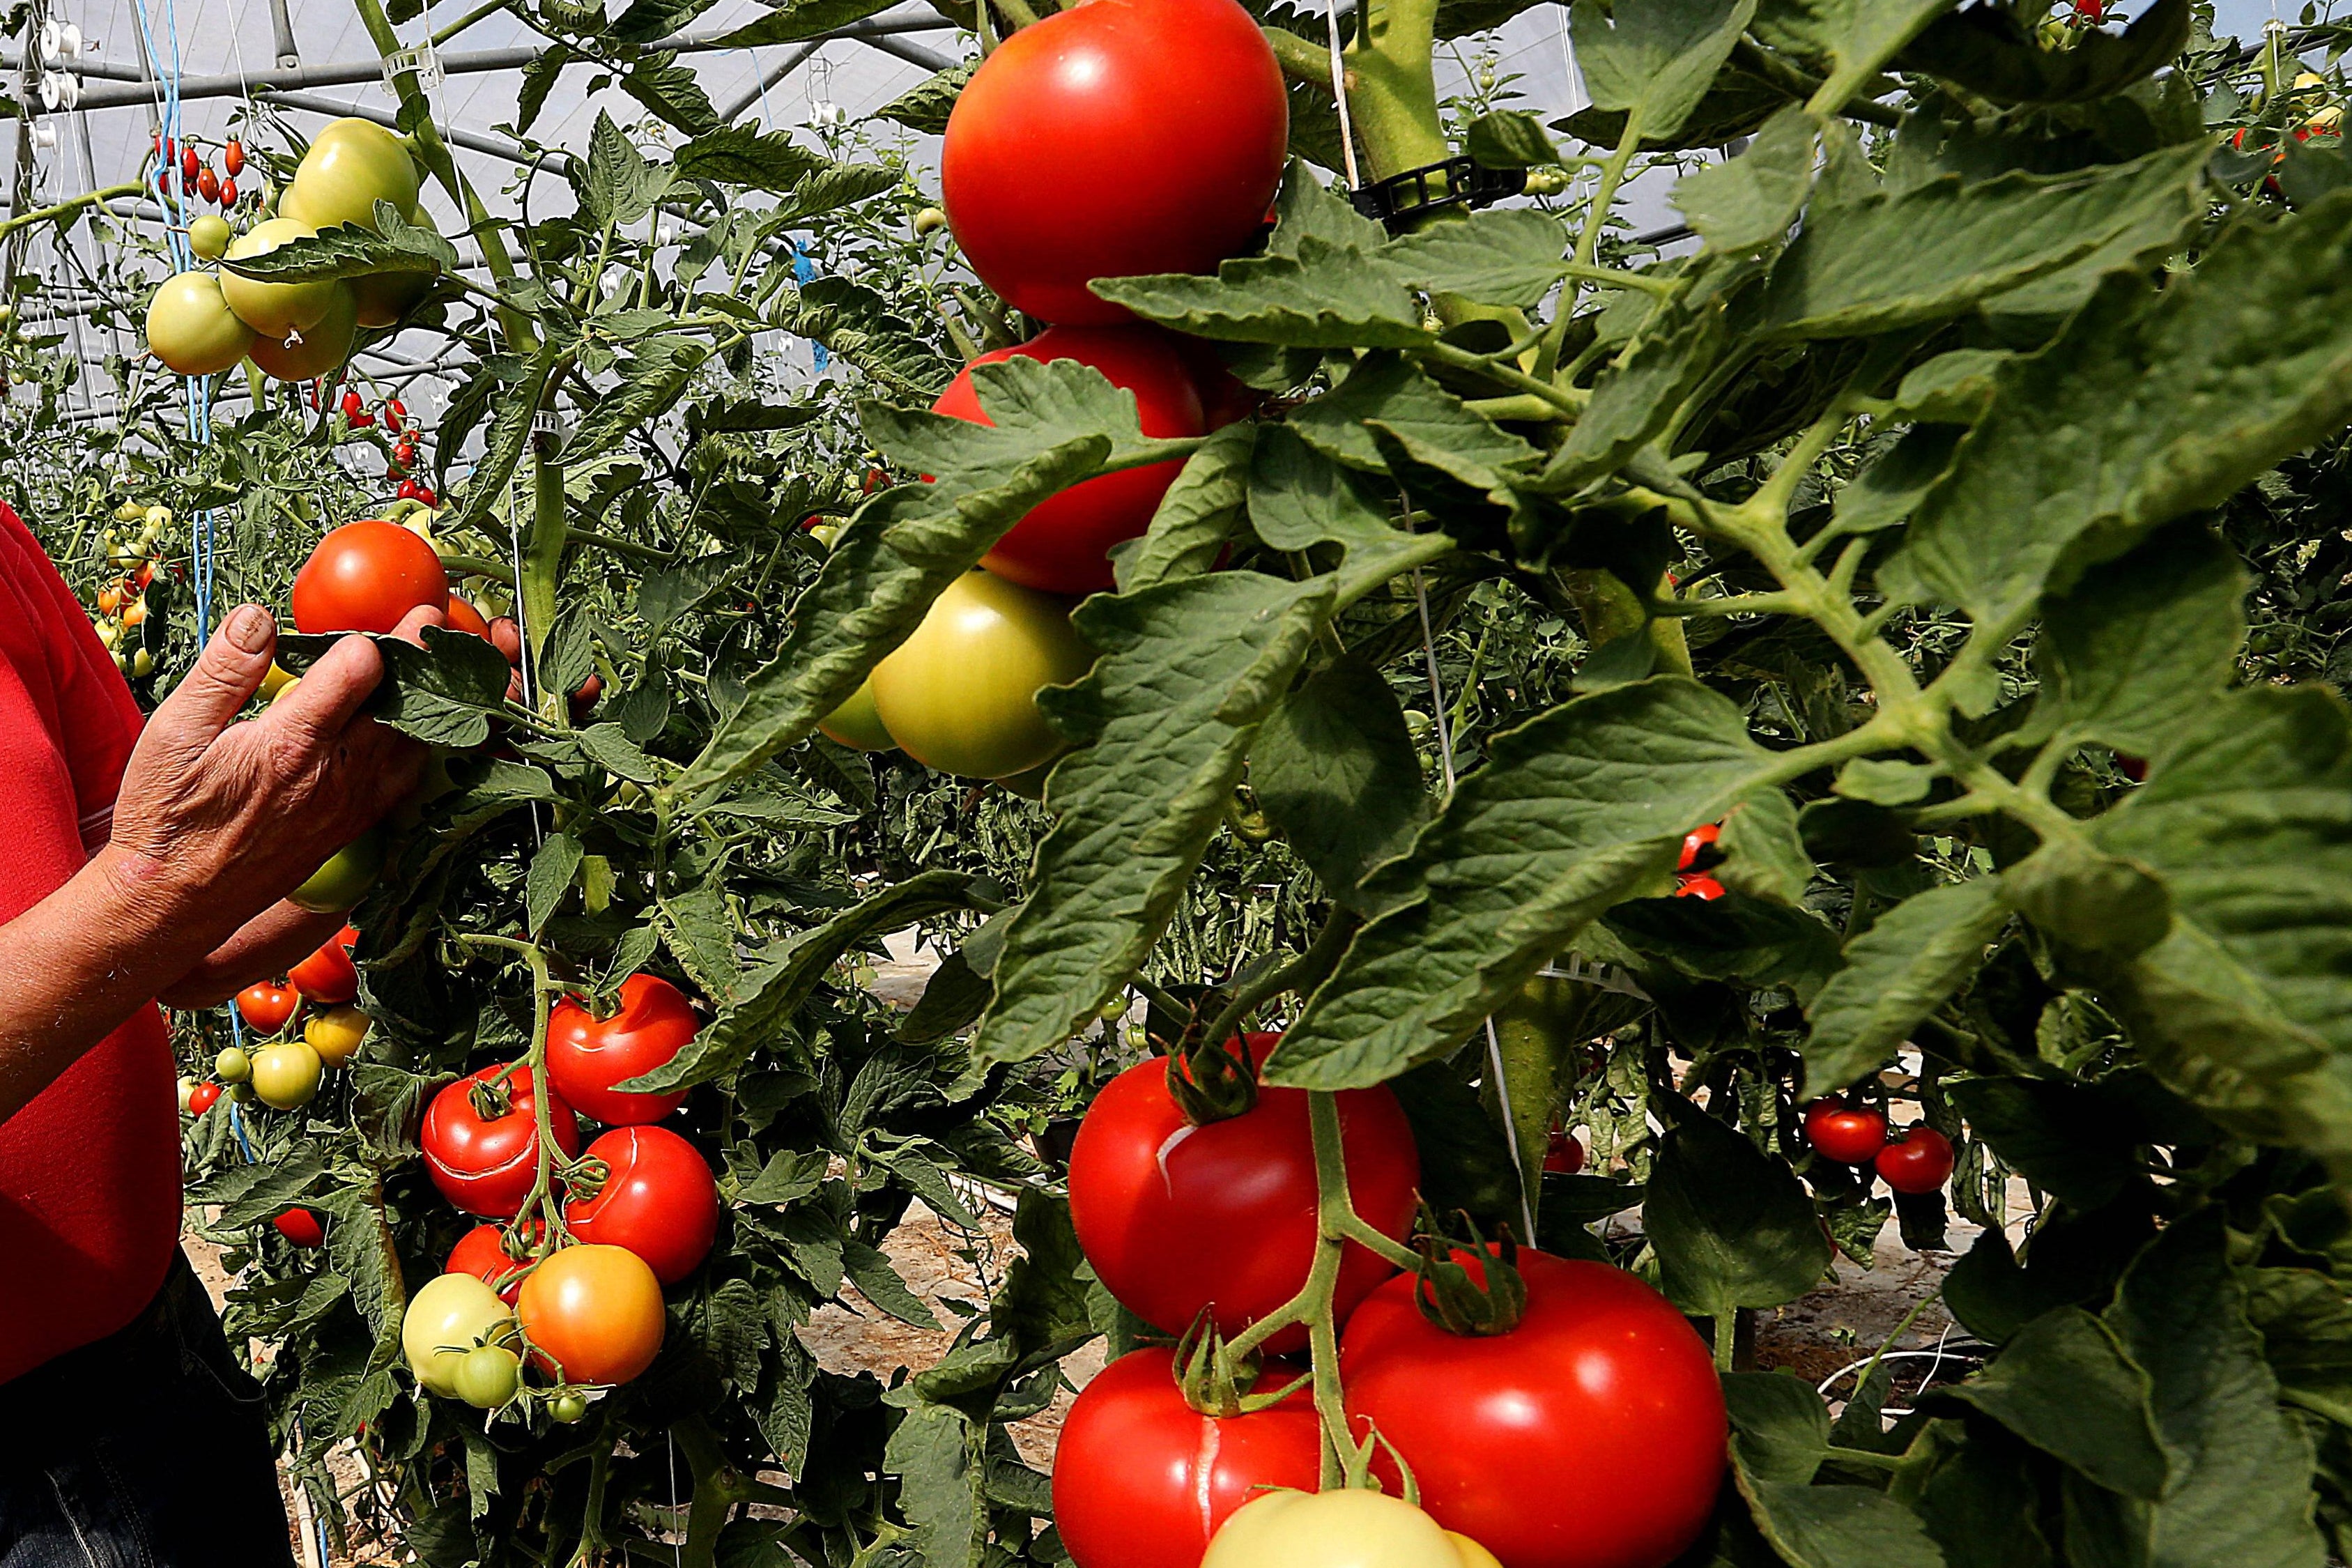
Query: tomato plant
960, 694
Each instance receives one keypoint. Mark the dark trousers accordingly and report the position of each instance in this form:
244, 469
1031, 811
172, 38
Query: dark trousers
148, 1449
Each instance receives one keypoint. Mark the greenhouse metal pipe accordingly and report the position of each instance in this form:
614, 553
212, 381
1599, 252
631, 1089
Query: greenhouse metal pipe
135, 87
281, 27
471, 140
792, 62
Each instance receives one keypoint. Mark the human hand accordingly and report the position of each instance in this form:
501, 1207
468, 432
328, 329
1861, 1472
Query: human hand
224, 818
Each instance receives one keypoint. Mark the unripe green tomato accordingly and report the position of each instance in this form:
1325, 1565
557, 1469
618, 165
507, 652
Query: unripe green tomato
232, 1066
346, 877
930, 220
142, 664
960, 695
568, 1409
1332, 1529
286, 1074
323, 347
109, 634
855, 724
352, 164
122, 661
209, 237
445, 1319
276, 310
188, 1090
192, 329
486, 1377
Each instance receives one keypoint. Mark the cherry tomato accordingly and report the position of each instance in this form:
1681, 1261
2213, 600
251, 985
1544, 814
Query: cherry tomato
167, 151
586, 1056
405, 454
1851, 1135
2131, 767
1337, 1529
409, 490
486, 1377
594, 1313
1563, 1154
660, 1201
1110, 140
1060, 546
1696, 840
567, 1409
227, 194
232, 1066
1697, 885
1589, 1435
301, 1227
364, 577
192, 330
286, 1074
464, 618
266, 1005
482, 1253
327, 976
233, 159
1920, 1160
208, 188
1142, 1480
1176, 1217
336, 1034
397, 412
426, 494
276, 310
353, 407
506, 635
960, 695
191, 166
353, 164
447, 1318
202, 1098
486, 1166
346, 877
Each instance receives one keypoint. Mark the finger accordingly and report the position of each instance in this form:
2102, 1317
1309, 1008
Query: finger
323, 706
269, 944
411, 625
228, 673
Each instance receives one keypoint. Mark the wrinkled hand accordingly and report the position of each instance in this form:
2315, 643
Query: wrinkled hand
232, 815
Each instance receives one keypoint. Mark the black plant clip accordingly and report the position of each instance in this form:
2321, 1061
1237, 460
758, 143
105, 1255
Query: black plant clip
1481, 1305
1401, 200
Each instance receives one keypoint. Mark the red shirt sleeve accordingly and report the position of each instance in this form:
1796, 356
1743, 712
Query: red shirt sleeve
91, 712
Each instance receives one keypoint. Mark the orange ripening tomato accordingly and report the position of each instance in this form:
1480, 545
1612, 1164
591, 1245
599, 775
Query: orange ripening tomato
594, 1313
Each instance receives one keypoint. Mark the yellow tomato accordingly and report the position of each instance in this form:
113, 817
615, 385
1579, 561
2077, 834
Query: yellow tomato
286, 1074
336, 1034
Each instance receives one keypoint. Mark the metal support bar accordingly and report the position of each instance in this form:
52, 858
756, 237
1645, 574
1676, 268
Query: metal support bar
880, 31
281, 27
471, 140
797, 58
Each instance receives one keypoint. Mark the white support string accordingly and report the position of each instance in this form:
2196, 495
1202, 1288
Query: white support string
1340, 93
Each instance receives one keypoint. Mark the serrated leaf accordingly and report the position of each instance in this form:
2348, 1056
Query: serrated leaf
653, 378
1335, 769
550, 877
829, 189
442, 693
879, 1283
1995, 53
2065, 1385
2143, 639
350, 251
930, 1453
1195, 516
1509, 139
924, 108
1635, 399
1573, 811
695, 929
613, 751
1509, 255
1387, 393
857, 323
1300, 498
2087, 899
746, 155
486, 485
1764, 851
1854, 39
1652, 61
1750, 203
1733, 1226
1896, 973
1898, 259
2147, 406
1322, 296
1165, 718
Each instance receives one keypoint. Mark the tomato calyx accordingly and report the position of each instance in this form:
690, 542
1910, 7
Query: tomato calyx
1213, 1382
1483, 1305
1211, 1081
491, 1097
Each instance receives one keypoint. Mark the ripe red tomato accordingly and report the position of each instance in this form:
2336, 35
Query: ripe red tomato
267, 1005
1697, 885
482, 1253
327, 976
301, 1227
464, 618
1224, 396
208, 186
1920, 1160
506, 635
1176, 1217
189, 164
660, 1201
228, 193
1563, 1154
1590, 1436
1696, 840
486, 1166
202, 1098
1142, 1479
595, 1311
586, 1056
1115, 138
1060, 546
233, 158
1851, 1135
364, 577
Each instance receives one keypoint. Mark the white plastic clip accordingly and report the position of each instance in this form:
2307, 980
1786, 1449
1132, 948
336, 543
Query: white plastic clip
421, 61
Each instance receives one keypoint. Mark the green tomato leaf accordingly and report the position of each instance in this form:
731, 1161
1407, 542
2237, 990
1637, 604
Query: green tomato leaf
1572, 813
1652, 61
1334, 767
1750, 203
1188, 671
1195, 517
1852, 40
1733, 1226
2142, 640
2065, 1385
1506, 256
1385, 394
1896, 973
1995, 53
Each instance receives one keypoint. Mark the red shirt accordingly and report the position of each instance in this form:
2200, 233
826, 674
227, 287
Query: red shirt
89, 1172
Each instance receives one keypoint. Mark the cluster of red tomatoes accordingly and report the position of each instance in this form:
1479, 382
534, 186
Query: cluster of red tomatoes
204, 324
639, 1207
1179, 167
197, 177
1920, 1160
1587, 1432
